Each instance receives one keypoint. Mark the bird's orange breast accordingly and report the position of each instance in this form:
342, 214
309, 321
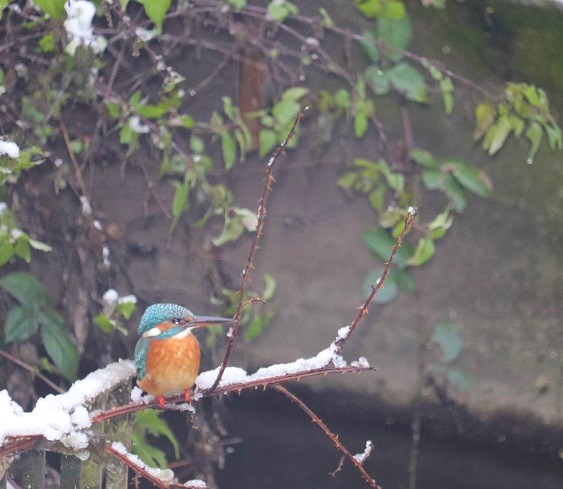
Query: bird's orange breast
172, 365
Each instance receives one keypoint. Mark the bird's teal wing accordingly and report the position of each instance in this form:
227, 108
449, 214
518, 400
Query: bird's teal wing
141, 351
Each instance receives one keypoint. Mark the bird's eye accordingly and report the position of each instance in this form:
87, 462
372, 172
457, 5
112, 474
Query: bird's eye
177, 321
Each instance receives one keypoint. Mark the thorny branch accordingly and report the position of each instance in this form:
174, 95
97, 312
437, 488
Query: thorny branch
268, 181
364, 309
318, 421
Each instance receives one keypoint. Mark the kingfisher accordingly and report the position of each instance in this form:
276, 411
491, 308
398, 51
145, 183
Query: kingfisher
167, 354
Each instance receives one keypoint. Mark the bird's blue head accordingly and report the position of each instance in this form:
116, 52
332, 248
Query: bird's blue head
160, 313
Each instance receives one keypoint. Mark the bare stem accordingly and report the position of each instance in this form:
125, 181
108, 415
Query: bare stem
334, 438
364, 309
268, 181
32, 369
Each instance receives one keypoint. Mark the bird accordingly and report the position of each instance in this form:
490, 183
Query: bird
167, 354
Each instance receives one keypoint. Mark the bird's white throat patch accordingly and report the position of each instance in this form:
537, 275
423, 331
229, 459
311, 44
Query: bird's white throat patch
154, 332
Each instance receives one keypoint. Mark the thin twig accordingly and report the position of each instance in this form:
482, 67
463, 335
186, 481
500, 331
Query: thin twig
32, 369
77, 170
268, 181
364, 309
334, 438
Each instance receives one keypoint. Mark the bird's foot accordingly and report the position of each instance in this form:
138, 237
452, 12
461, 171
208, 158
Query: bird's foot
187, 396
161, 401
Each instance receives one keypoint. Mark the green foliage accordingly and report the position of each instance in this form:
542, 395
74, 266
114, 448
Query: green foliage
447, 336
36, 312
11, 168
279, 10
236, 221
13, 241
276, 122
156, 10
115, 310
53, 8
524, 110
253, 319
393, 9
148, 422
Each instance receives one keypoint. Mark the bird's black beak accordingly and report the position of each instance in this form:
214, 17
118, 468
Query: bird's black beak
201, 321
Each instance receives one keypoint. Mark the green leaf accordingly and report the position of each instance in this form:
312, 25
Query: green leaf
377, 80
368, 45
22, 248
472, 179
342, 98
370, 8
126, 309
432, 179
270, 287
53, 8
423, 252
496, 135
386, 293
554, 136
404, 280
151, 455
6, 252
407, 80
156, 10
285, 110
267, 141
60, 348
447, 336
534, 135
294, 94
485, 114
232, 230
25, 288
396, 34
21, 323
455, 192
256, 326
394, 9
229, 148
360, 124
423, 158
446, 87
180, 201
377, 198
187, 121
151, 111
46, 43
197, 145
326, 18
150, 421
104, 323
380, 244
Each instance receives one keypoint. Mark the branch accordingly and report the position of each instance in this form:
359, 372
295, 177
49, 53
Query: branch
345, 333
268, 181
315, 419
32, 369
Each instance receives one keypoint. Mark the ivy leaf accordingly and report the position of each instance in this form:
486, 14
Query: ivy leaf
423, 252
21, 323
59, 346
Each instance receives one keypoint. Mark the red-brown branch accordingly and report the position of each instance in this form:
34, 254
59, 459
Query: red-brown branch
334, 438
32, 369
364, 309
268, 181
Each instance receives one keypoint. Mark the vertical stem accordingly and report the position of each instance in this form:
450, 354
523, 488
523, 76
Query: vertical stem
34, 469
